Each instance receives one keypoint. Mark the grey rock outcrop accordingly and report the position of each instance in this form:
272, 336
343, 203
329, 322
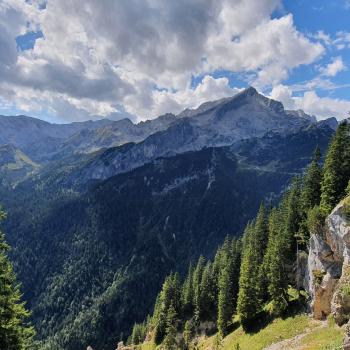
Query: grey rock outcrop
324, 269
328, 270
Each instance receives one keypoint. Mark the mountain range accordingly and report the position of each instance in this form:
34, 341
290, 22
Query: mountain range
108, 208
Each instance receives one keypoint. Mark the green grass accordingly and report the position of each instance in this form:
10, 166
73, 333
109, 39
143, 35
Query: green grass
278, 330
329, 338
147, 346
318, 336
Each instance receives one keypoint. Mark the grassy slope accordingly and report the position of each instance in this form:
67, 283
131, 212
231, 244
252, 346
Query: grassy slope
304, 332
317, 337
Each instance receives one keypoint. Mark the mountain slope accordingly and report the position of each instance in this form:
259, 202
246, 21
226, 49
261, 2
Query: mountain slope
141, 224
106, 259
37, 138
14, 165
244, 116
219, 123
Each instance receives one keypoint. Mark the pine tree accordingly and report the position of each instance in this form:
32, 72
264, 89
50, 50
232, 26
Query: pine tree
187, 294
188, 332
311, 184
197, 280
228, 285
260, 243
208, 294
310, 195
226, 298
290, 208
170, 338
169, 298
275, 262
336, 172
15, 332
138, 334
249, 301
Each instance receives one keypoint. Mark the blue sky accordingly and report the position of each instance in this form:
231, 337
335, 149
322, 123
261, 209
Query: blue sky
64, 61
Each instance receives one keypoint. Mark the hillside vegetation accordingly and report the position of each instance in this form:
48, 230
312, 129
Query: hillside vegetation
252, 281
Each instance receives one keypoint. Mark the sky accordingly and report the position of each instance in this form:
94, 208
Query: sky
64, 61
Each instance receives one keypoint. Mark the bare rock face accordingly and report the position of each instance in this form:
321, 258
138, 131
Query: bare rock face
324, 269
338, 231
328, 273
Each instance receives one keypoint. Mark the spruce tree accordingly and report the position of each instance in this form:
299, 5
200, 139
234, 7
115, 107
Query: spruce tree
170, 338
336, 171
187, 294
169, 298
208, 294
310, 195
228, 284
15, 332
197, 280
226, 302
249, 301
275, 261
188, 332
290, 208
138, 334
311, 183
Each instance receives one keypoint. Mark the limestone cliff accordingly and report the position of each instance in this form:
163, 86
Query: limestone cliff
328, 272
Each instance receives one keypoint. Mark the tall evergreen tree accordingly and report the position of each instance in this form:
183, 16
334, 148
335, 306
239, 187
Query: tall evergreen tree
310, 195
336, 172
249, 301
260, 243
311, 184
208, 294
169, 298
187, 294
197, 280
15, 332
228, 283
171, 330
290, 208
275, 261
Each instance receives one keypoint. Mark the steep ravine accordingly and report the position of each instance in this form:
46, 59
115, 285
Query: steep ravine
327, 276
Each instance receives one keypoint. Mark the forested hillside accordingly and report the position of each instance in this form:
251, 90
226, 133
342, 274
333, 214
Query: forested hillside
15, 330
254, 279
100, 229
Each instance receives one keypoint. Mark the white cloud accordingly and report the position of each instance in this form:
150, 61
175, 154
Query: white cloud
332, 69
208, 90
141, 55
311, 103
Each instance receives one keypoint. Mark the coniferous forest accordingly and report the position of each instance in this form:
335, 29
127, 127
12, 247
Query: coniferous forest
16, 333
174, 175
91, 256
252, 279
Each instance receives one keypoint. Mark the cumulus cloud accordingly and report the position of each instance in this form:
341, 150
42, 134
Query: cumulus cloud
311, 103
332, 69
209, 89
98, 57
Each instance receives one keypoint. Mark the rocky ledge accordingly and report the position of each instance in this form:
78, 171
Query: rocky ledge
328, 269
